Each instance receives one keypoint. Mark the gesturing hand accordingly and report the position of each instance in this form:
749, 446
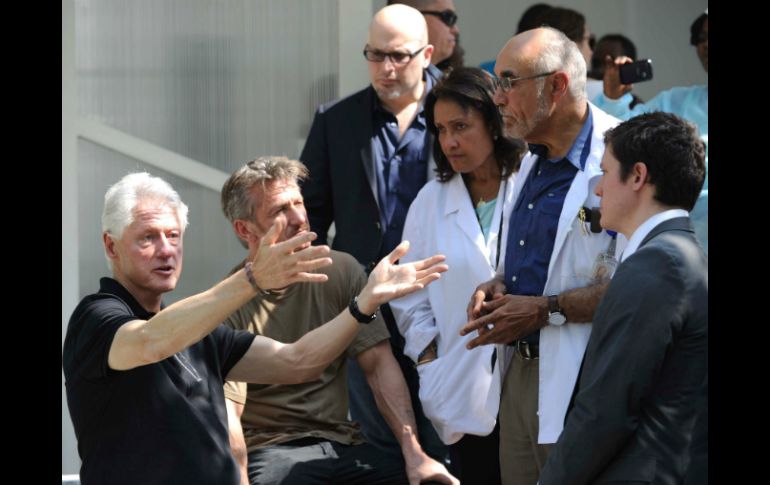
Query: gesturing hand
486, 291
278, 265
507, 318
389, 280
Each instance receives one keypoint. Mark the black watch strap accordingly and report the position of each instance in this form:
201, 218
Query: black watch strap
353, 307
553, 304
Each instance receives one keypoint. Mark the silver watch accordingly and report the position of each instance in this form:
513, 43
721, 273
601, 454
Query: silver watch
555, 316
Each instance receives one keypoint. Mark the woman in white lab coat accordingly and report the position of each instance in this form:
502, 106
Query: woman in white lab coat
463, 214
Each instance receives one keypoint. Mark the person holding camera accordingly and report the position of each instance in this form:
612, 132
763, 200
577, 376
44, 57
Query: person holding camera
688, 102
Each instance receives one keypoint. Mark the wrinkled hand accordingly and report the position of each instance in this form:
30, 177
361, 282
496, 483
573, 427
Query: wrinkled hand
388, 280
511, 317
484, 292
278, 265
612, 87
429, 469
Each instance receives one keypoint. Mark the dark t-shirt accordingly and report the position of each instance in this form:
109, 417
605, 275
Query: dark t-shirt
159, 423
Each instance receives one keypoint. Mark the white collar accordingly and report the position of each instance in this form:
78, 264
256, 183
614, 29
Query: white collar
644, 228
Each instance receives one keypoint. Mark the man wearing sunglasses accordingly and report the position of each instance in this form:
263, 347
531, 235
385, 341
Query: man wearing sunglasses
546, 283
368, 155
443, 33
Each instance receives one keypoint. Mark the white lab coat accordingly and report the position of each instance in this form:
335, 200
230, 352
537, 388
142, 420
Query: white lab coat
573, 257
454, 387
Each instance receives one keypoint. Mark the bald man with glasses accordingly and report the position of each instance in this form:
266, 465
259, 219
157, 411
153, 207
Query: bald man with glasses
368, 155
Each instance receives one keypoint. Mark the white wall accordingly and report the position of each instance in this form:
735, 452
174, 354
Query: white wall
659, 28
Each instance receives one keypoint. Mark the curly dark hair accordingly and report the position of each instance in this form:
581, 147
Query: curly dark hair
473, 88
670, 148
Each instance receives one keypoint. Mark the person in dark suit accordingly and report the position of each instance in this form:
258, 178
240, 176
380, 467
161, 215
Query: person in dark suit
369, 154
634, 410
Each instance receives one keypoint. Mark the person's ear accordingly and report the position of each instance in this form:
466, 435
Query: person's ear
245, 230
558, 84
639, 175
428, 54
109, 246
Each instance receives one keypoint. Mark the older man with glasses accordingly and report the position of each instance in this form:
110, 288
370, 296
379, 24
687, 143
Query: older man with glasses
369, 155
556, 263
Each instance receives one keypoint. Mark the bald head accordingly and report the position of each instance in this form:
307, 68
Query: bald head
398, 23
399, 53
546, 49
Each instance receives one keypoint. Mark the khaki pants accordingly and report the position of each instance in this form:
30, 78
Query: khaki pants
521, 458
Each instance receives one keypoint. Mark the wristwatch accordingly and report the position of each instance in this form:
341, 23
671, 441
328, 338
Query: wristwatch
353, 307
555, 316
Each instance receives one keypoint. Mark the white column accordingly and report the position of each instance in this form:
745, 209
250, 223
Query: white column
354, 18
70, 462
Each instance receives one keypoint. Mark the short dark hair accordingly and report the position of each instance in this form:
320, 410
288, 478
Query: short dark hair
571, 22
528, 19
696, 27
671, 149
473, 88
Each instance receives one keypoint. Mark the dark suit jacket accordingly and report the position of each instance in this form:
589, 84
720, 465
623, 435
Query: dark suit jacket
635, 404
342, 187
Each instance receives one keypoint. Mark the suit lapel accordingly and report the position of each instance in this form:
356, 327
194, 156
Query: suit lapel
361, 125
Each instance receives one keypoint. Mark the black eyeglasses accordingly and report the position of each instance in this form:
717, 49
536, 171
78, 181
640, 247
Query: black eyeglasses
505, 83
449, 17
398, 58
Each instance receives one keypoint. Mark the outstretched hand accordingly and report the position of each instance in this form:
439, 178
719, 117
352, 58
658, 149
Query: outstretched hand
278, 265
389, 280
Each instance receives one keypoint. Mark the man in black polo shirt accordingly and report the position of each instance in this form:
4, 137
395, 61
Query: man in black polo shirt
144, 383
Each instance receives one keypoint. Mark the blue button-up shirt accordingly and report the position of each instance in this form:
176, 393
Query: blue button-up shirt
402, 167
535, 216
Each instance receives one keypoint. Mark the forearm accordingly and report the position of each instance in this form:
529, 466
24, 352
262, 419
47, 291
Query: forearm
311, 354
579, 304
188, 321
394, 403
237, 441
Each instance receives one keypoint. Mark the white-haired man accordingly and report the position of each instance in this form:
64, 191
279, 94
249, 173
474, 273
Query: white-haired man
144, 382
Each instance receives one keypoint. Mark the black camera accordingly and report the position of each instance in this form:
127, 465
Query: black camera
636, 71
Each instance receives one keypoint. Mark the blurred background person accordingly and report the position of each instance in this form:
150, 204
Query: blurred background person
573, 24
688, 102
527, 21
443, 32
613, 45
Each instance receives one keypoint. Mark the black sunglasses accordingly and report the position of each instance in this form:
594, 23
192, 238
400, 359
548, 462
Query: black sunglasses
449, 17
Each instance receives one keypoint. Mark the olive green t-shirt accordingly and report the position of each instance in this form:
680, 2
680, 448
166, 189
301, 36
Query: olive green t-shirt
278, 413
